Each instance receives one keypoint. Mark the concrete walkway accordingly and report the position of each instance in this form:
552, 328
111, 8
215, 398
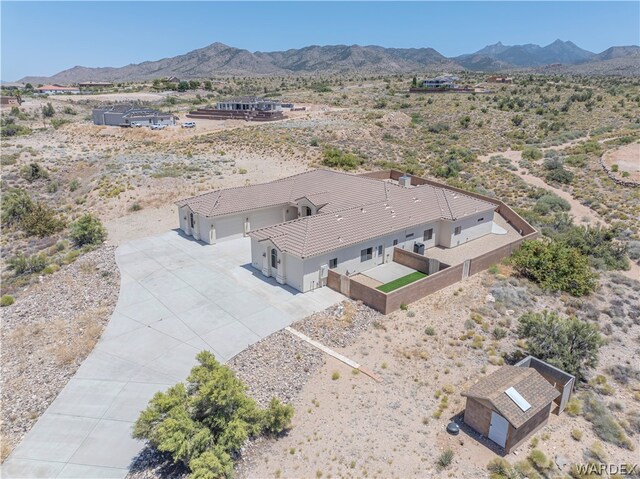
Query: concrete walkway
177, 297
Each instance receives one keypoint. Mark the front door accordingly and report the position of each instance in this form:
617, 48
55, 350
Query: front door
498, 429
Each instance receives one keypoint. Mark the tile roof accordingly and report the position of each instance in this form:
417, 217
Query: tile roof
352, 209
534, 388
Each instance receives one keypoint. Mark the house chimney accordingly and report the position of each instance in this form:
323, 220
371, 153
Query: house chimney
405, 180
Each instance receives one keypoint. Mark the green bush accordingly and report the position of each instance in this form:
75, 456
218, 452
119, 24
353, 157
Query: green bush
6, 300
599, 244
48, 111
58, 122
22, 264
16, 203
87, 231
41, 221
34, 172
568, 343
551, 203
9, 128
335, 158
560, 175
530, 153
445, 459
604, 424
205, 423
555, 266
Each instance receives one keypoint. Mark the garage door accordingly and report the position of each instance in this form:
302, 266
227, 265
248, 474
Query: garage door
231, 227
260, 219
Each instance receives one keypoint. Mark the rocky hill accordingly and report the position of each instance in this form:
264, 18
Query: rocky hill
219, 59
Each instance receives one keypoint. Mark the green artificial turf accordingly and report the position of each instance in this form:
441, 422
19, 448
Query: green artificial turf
400, 282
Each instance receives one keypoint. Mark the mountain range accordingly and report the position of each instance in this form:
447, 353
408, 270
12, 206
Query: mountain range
219, 59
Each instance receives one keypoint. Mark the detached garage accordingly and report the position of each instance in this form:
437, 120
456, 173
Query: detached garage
509, 405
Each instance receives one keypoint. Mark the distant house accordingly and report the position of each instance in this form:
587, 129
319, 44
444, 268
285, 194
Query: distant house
510, 404
57, 90
95, 84
443, 82
10, 100
173, 79
129, 115
249, 108
497, 79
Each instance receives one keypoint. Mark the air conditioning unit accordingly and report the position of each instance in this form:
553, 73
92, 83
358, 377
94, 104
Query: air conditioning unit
324, 271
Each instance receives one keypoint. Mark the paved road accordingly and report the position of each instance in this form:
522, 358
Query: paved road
177, 297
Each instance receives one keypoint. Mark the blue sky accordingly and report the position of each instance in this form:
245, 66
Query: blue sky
43, 38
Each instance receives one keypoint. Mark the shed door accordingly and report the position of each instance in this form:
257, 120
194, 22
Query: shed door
498, 429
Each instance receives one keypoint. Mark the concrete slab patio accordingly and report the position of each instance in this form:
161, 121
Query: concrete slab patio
177, 297
385, 273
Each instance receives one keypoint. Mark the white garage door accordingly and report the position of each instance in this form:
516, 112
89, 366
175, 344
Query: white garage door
230, 227
498, 429
260, 219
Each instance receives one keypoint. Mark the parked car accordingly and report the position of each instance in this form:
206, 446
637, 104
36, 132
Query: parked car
189, 124
136, 124
159, 126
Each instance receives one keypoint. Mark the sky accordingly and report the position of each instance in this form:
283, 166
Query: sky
43, 38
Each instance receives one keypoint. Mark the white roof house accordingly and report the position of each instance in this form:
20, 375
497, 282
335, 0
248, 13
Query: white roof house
302, 225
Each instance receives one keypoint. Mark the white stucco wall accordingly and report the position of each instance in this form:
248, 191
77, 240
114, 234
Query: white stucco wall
473, 227
232, 226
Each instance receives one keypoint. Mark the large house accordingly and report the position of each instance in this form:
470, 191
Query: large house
443, 82
304, 225
249, 108
130, 115
57, 90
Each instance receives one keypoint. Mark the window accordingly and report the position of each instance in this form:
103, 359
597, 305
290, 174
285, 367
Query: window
457, 230
306, 211
395, 242
428, 234
366, 254
333, 263
380, 250
274, 258
192, 220
410, 235
480, 219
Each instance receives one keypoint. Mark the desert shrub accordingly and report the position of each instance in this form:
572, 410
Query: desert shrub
34, 171
531, 153
58, 122
48, 111
577, 161
560, 175
74, 185
205, 423
551, 203
335, 158
41, 221
509, 295
87, 231
539, 460
500, 468
9, 128
599, 244
16, 203
623, 374
6, 300
555, 266
22, 264
445, 459
576, 434
430, 331
499, 333
567, 343
604, 424
439, 128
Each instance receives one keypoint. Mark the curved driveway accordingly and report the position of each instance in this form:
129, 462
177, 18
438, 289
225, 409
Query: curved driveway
177, 297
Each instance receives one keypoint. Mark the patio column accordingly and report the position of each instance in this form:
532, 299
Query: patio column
280, 275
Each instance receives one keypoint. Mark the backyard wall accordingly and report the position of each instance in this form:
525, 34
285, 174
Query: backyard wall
388, 302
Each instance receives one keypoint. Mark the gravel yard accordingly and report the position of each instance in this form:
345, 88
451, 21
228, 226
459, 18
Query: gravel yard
47, 334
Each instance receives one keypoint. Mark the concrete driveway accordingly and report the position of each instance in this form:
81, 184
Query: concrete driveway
177, 297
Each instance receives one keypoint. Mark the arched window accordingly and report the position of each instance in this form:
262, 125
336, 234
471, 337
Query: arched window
307, 211
192, 220
274, 258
